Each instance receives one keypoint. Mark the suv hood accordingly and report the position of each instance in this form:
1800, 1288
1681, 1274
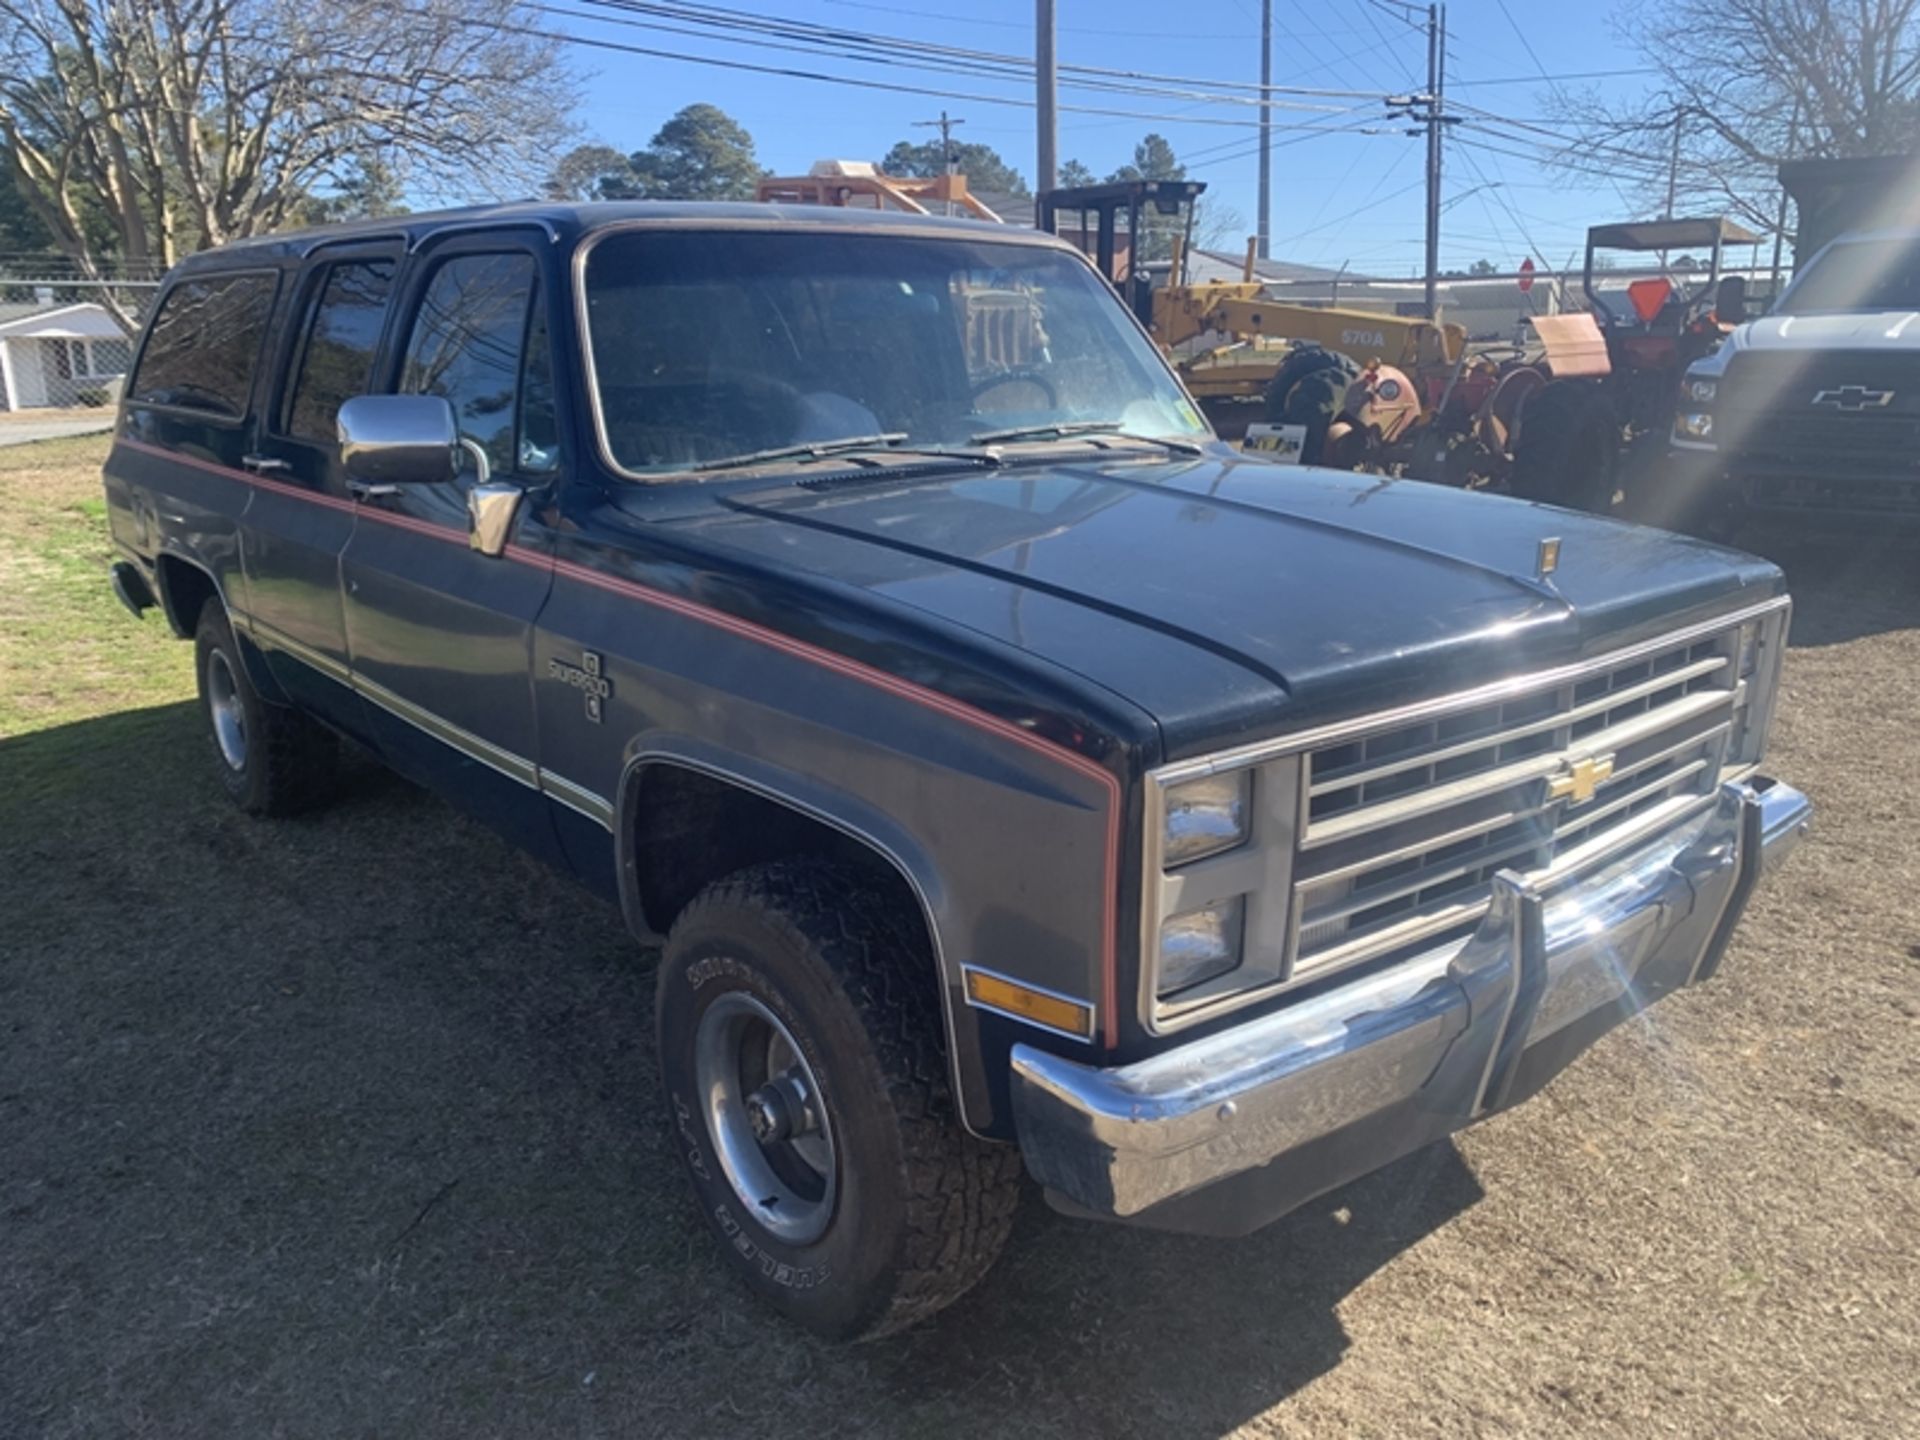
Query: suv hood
1229, 596
1867, 330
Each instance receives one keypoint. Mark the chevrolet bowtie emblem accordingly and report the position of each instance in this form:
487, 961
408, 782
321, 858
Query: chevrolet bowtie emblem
1581, 779
1854, 397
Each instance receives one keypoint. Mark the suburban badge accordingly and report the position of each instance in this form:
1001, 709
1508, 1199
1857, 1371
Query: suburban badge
586, 678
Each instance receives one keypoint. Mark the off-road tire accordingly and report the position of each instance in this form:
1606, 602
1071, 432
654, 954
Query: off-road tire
1304, 360
922, 1208
1315, 401
1567, 451
290, 759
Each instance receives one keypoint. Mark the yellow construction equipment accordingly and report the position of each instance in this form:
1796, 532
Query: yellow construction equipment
1256, 334
1228, 338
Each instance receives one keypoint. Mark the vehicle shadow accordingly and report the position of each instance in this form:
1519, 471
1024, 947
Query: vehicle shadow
1104, 1323
1844, 586
283, 1101
1848, 579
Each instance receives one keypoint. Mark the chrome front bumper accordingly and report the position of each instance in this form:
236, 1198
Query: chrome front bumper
1227, 1133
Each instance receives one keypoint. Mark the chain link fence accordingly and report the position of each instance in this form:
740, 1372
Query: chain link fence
63, 347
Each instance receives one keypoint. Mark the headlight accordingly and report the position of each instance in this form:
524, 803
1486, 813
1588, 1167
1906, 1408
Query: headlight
1701, 392
1219, 888
1693, 425
1206, 816
1200, 944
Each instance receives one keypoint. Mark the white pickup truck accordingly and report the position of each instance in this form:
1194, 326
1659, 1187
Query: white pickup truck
1814, 408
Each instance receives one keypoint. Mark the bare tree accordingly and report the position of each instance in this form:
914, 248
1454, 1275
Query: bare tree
188, 123
1745, 84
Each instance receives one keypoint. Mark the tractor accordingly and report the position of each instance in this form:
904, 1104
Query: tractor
1612, 373
1571, 426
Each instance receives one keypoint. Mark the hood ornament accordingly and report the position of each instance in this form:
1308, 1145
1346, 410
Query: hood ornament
1547, 560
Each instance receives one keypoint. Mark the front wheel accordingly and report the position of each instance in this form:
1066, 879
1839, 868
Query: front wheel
799, 1041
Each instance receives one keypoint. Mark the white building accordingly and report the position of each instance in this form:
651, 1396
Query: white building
54, 355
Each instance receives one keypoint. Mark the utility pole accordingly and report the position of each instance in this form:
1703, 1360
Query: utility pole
1429, 111
1673, 169
1780, 221
1436, 94
1673, 178
1046, 82
945, 124
1266, 129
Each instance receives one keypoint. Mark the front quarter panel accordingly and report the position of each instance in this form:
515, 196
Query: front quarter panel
1010, 833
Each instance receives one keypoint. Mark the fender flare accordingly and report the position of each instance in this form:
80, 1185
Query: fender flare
871, 829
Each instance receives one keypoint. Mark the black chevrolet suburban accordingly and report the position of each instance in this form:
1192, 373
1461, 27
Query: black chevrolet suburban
1018, 778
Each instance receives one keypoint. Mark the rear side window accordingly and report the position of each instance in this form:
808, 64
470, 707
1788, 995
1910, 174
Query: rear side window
472, 343
205, 339
336, 362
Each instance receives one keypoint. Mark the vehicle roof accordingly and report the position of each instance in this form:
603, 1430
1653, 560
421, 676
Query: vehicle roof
569, 222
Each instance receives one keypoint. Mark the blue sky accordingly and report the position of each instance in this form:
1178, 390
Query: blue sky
1352, 197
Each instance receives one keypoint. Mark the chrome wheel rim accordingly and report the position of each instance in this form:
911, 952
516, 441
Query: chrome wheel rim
224, 708
766, 1118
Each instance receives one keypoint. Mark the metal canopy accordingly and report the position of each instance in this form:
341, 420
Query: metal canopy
1669, 234
1121, 192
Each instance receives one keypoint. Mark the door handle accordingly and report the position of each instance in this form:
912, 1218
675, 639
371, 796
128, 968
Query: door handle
368, 490
264, 464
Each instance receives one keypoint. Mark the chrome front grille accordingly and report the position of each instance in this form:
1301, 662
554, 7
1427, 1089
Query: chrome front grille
1406, 827
1373, 840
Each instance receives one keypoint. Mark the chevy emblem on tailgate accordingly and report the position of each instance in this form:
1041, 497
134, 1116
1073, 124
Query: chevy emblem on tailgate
1581, 778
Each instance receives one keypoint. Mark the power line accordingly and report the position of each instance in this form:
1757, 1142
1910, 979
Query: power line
1022, 25
791, 73
932, 63
1357, 210
945, 125
1521, 36
1512, 214
890, 48
1554, 79
1208, 158
1574, 152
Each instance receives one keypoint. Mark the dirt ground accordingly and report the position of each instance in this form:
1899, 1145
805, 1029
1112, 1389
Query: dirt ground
347, 1127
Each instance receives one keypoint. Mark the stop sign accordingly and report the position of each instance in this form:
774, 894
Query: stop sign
1526, 275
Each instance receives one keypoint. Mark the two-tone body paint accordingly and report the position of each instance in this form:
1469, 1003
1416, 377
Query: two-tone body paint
991, 782
969, 673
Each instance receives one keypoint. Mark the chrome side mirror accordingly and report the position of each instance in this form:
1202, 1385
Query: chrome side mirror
399, 440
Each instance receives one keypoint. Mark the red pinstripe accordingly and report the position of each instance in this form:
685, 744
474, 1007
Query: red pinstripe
799, 649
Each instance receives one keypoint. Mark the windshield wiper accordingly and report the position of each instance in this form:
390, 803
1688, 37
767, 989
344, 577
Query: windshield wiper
809, 450
1069, 429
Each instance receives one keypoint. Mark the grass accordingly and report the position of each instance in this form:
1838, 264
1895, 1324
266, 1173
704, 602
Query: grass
68, 649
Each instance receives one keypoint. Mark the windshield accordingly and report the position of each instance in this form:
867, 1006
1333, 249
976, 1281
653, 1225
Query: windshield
708, 346
1860, 275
